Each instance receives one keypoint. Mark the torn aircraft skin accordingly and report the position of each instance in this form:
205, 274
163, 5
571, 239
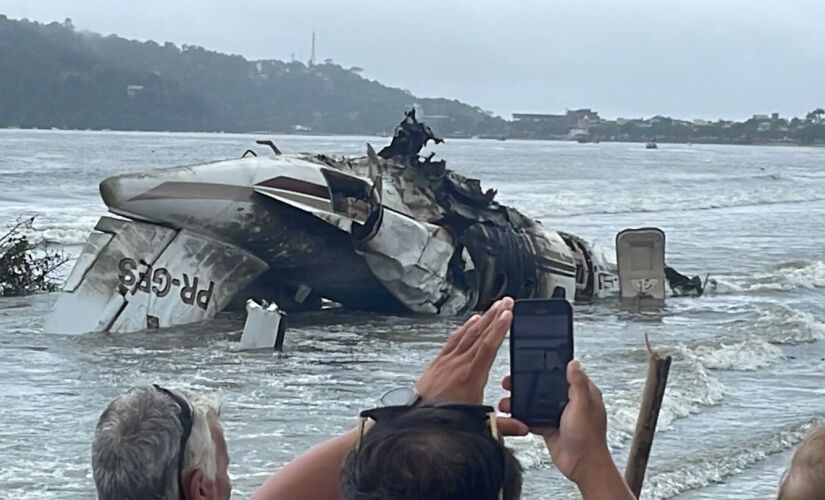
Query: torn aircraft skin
388, 232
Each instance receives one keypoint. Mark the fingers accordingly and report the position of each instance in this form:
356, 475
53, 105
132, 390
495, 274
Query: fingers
508, 426
476, 330
579, 383
472, 333
457, 335
504, 405
490, 341
582, 389
506, 382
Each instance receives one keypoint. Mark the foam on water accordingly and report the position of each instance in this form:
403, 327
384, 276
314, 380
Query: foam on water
784, 325
747, 355
790, 275
570, 203
690, 388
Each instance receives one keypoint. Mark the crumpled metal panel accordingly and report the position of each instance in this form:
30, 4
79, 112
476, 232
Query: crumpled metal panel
411, 260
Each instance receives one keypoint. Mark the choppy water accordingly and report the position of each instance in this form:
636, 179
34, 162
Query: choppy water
746, 382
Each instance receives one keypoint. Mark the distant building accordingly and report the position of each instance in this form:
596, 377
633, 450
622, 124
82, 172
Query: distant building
764, 126
546, 125
537, 125
760, 118
774, 117
581, 117
700, 123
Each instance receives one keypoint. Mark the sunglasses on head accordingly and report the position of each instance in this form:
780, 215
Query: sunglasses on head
185, 418
474, 418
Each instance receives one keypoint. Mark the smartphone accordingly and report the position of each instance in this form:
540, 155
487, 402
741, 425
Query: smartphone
541, 345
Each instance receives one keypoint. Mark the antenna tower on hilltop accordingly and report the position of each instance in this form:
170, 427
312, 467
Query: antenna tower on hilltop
312, 57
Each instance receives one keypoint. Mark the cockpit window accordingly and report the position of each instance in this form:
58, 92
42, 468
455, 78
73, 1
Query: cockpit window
350, 195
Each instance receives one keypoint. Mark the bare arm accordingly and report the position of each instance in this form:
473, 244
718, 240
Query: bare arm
603, 481
314, 475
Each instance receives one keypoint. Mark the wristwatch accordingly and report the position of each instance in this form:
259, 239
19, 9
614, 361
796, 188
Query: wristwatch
400, 396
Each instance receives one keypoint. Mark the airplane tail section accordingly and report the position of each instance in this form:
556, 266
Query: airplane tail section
640, 254
133, 275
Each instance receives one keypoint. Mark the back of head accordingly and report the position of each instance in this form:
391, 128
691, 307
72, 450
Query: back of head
805, 479
428, 454
135, 454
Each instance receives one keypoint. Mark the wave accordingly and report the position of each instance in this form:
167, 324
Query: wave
747, 355
762, 340
665, 205
568, 203
784, 325
61, 232
707, 470
790, 275
690, 388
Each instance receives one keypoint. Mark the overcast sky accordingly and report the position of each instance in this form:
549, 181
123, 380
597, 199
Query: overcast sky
623, 58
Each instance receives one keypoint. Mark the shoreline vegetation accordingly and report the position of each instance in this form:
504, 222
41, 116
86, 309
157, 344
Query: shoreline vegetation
54, 76
27, 263
586, 126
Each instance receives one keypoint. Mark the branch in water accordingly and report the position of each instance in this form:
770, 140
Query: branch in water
27, 266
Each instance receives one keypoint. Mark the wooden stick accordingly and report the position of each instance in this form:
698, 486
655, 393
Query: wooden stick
657, 372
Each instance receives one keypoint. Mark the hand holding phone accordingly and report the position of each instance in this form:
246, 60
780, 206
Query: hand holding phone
541, 346
579, 445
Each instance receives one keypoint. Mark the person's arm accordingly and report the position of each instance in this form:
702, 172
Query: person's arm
579, 446
601, 480
313, 475
458, 373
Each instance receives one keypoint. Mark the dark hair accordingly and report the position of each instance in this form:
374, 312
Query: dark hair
429, 454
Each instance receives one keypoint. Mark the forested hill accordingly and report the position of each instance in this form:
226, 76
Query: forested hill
52, 75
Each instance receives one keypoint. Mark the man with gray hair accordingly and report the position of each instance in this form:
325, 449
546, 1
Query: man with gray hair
156, 443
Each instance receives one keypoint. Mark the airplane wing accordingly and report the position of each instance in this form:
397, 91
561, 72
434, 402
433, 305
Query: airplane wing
132, 276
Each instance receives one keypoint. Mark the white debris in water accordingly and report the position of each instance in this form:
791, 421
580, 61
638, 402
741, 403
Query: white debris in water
262, 323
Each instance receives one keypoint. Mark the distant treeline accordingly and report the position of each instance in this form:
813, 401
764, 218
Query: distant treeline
759, 129
52, 75
586, 125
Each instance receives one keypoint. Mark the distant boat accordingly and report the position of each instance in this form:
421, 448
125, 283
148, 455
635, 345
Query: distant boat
651, 145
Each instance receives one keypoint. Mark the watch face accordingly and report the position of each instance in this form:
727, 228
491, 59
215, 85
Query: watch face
402, 396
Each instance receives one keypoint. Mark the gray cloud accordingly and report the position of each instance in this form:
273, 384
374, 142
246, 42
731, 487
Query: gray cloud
685, 58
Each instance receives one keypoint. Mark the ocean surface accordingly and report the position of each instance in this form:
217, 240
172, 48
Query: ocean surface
748, 376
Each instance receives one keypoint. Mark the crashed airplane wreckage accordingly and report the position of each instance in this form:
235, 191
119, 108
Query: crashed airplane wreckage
390, 232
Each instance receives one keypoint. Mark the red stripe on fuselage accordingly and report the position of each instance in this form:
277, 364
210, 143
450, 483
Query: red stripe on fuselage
297, 186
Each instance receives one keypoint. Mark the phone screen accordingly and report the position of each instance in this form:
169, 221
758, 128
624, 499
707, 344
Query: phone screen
541, 345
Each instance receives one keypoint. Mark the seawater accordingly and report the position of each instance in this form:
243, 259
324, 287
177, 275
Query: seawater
747, 377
